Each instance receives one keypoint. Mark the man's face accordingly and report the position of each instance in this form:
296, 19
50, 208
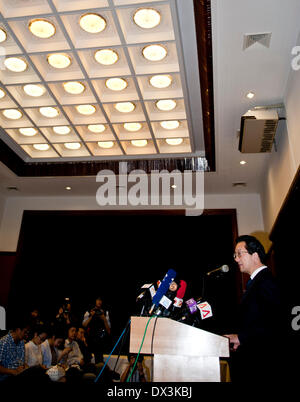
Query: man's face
98, 303
80, 334
243, 258
58, 342
72, 333
22, 333
39, 339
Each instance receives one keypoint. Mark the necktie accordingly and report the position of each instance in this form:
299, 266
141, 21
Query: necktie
248, 284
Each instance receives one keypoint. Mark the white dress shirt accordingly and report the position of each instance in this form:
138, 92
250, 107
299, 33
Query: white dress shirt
257, 271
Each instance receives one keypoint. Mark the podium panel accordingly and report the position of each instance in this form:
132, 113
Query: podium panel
170, 368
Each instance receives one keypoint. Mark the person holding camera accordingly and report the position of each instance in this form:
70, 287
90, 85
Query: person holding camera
97, 323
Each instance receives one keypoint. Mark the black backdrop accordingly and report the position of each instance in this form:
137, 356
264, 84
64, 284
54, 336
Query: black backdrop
85, 254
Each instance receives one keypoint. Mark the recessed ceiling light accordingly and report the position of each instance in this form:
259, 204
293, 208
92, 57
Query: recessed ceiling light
125, 107
96, 128
174, 141
61, 130
166, 104
13, 114
68, 188
34, 90
92, 23
250, 95
170, 124
41, 28
2, 93
86, 109
147, 18
105, 144
154, 52
59, 60
116, 84
139, 143
74, 87
29, 132
243, 162
49, 111
132, 126
174, 186
41, 147
161, 81
3, 35
107, 57
15, 64
72, 145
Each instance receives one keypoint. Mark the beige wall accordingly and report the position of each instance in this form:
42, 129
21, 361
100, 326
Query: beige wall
285, 162
248, 208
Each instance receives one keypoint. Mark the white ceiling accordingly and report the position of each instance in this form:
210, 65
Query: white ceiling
236, 72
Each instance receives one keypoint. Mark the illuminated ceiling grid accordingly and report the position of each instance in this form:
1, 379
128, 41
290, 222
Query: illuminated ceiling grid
100, 131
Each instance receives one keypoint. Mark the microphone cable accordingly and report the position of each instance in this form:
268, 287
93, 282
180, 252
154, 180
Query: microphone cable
152, 340
133, 368
123, 332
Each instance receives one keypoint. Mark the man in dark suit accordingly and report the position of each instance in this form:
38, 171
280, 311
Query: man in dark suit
257, 344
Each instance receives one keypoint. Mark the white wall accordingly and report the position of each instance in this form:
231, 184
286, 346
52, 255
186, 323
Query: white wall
248, 207
285, 162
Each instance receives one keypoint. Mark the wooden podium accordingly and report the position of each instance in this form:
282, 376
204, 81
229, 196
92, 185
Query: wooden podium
181, 353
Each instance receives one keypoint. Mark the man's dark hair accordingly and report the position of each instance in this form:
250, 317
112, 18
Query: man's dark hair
253, 246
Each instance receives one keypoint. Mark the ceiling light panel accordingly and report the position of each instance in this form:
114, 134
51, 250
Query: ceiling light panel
135, 34
89, 66
73, 5
21, 8
83, 39
25, 100
9, 46
33, 43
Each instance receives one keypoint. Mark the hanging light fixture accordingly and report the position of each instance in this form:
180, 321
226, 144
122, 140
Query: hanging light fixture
86, 109
174, 141
161, 81
28, 132
12, 114
61, 130
154, 52
147, 18
72, 145
96, 128
74, 87
139, 143
132, 126
41, 28
92, 23
34, 90
59, 60
106, 57
3, 35
105, 144
41, 147
166, 105
170, 124
125, 107
49, 111
15, 64
116, 84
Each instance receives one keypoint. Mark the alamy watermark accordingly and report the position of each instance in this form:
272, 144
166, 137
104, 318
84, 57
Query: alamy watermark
2, 318
296, 320
296, 60
159, 188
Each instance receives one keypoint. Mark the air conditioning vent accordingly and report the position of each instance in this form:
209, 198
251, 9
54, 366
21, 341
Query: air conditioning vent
262, 38
258, 129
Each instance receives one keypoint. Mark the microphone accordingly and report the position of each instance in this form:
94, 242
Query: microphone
163, 288
223, 268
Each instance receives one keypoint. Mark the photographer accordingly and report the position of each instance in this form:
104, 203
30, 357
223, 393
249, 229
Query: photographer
96, 322
65, 316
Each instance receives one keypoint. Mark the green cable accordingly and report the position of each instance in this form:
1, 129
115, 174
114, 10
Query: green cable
139, 350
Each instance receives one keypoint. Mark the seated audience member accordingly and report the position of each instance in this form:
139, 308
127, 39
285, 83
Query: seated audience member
74, 356
83, 346
51, 349
12, 350
138, 375
33, 350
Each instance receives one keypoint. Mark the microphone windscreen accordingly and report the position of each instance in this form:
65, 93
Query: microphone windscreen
181, 291
164, 286
225, 268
